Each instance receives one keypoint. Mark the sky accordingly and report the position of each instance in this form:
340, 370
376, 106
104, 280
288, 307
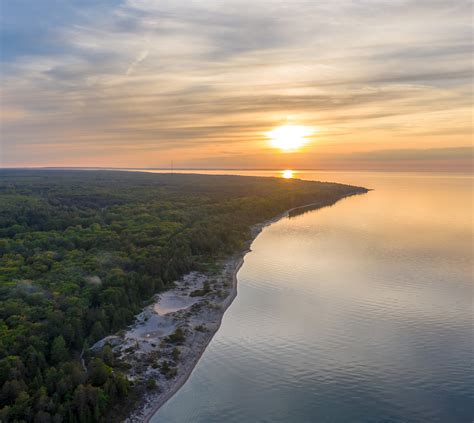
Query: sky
383, 85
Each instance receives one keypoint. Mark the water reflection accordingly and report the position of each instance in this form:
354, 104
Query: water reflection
357, 312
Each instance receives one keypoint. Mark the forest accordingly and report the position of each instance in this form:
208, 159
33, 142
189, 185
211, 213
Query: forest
82, 251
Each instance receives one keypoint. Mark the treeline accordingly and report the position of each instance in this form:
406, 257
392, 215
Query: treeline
80, 253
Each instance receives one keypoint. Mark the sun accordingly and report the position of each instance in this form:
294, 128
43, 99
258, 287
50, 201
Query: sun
289, 137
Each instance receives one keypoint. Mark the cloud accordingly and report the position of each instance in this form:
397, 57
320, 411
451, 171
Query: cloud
456, 159
139, 81
141, 57
449, 153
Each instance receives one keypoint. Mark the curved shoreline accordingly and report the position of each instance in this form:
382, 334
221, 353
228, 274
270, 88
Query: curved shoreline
238, 260
182, 379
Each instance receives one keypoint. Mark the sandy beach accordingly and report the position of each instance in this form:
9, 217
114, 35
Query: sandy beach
195, 306
198, 340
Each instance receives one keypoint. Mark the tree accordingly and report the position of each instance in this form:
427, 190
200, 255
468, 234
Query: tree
175, 353
107, 355
59, 351
177, 336
99, 372
97, 332
151, 383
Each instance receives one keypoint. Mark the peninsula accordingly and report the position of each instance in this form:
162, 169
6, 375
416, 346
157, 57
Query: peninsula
113, 283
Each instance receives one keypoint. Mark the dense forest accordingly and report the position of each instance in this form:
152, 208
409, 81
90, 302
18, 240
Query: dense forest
80, 252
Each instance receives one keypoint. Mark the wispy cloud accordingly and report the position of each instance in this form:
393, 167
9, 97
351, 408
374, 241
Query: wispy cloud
136, 82
141, 57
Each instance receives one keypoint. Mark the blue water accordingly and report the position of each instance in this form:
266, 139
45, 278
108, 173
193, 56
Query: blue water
359, 312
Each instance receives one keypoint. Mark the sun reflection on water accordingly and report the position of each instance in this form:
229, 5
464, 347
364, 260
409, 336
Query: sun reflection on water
287, 174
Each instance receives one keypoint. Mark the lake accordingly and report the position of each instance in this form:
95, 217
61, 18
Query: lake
359, 312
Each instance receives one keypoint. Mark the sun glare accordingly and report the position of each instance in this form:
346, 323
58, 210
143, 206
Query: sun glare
287, 174
289, 137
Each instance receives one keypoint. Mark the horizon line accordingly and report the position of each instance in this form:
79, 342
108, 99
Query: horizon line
171, 170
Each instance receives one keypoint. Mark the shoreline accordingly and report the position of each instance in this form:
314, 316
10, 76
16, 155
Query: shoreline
153, 402
238, 263
181, 380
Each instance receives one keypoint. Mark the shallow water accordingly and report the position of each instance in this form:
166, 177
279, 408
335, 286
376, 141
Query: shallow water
359, 312
170, 302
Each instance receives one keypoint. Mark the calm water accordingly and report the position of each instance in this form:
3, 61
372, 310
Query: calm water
361, 312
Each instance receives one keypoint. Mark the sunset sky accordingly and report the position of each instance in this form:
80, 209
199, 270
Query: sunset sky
382, 84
